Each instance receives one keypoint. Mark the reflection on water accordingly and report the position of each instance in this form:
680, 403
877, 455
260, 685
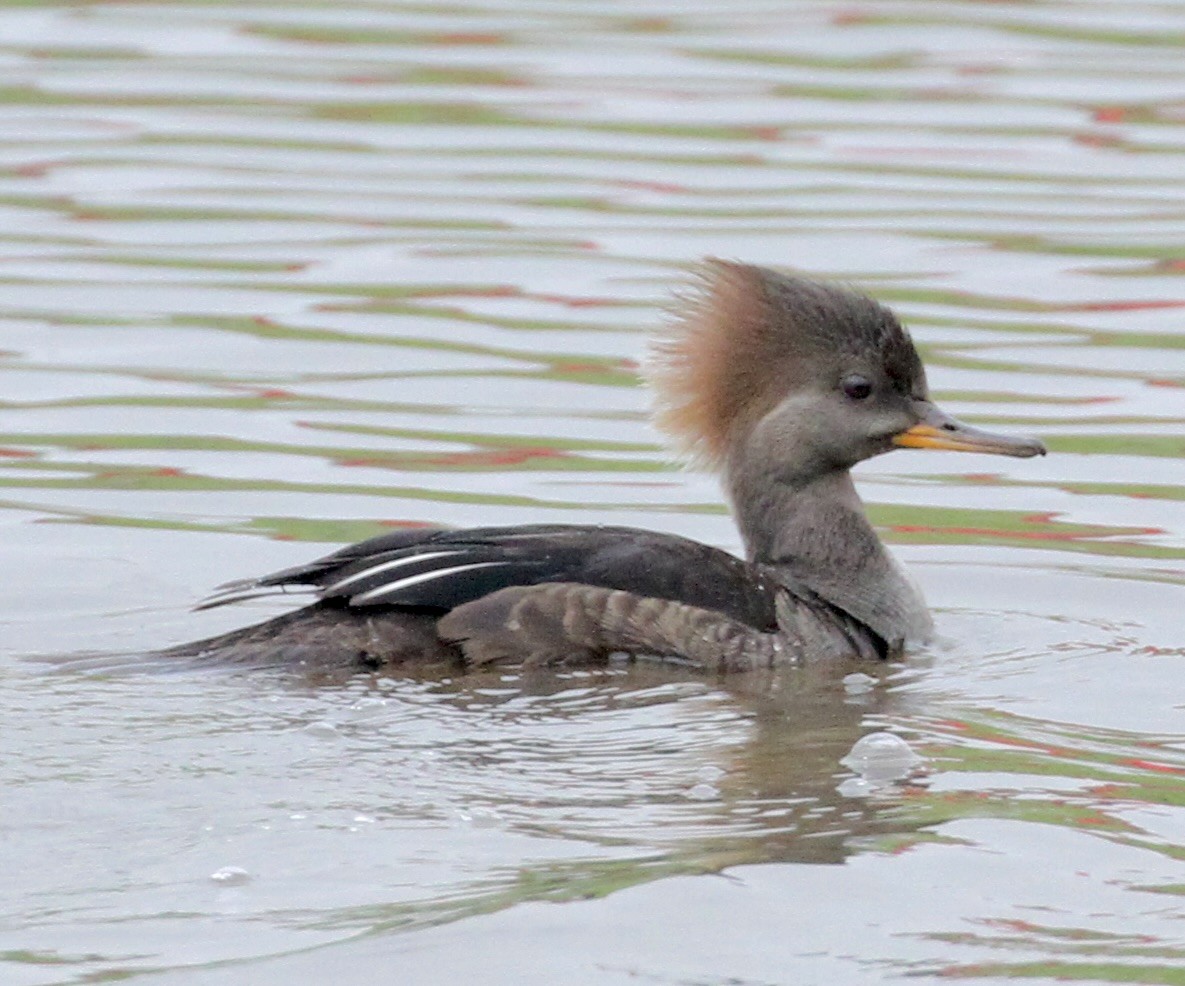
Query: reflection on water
279, 276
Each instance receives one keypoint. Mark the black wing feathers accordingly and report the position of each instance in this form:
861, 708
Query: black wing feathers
312, 575
316, 572
438, 569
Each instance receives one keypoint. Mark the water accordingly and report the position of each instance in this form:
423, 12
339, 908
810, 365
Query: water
276, 276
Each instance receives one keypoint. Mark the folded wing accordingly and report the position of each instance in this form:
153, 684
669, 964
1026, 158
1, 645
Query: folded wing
437, 570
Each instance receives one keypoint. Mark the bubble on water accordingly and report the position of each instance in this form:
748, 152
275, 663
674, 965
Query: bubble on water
709, 773
858, 683
856, 787
881, 757
368, 707
322, 730
704, 792
479, 816
230, 876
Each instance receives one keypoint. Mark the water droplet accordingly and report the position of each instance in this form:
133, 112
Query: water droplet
479, 816
881, 757
858, 683
230, 876
368, 707
856, 787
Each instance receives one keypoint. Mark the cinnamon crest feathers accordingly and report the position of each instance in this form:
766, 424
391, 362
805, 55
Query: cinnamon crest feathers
744, 336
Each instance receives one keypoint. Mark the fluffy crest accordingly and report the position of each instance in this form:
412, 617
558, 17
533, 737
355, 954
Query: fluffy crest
744, 336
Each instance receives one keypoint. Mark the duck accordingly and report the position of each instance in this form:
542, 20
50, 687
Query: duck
777, 382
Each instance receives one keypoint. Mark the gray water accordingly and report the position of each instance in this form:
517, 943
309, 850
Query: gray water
278, 276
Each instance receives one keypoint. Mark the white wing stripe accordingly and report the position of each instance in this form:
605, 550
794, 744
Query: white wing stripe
437, 573
261, 592
387, 566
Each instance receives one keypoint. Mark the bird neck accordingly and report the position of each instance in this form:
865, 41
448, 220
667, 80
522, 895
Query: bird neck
816, 532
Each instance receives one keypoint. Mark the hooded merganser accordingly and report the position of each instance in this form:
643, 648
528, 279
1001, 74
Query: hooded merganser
779, 383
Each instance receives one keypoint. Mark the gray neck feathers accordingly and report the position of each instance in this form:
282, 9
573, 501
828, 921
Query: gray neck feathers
817, 531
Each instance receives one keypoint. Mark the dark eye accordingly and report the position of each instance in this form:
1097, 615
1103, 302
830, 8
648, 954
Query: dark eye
856, 387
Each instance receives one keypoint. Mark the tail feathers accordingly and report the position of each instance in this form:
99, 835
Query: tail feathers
326, 638
244, 589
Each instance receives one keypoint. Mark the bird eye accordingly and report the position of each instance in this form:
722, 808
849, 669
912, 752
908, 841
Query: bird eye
856, 387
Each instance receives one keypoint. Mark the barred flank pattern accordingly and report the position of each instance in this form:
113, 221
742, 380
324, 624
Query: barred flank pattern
562, 622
